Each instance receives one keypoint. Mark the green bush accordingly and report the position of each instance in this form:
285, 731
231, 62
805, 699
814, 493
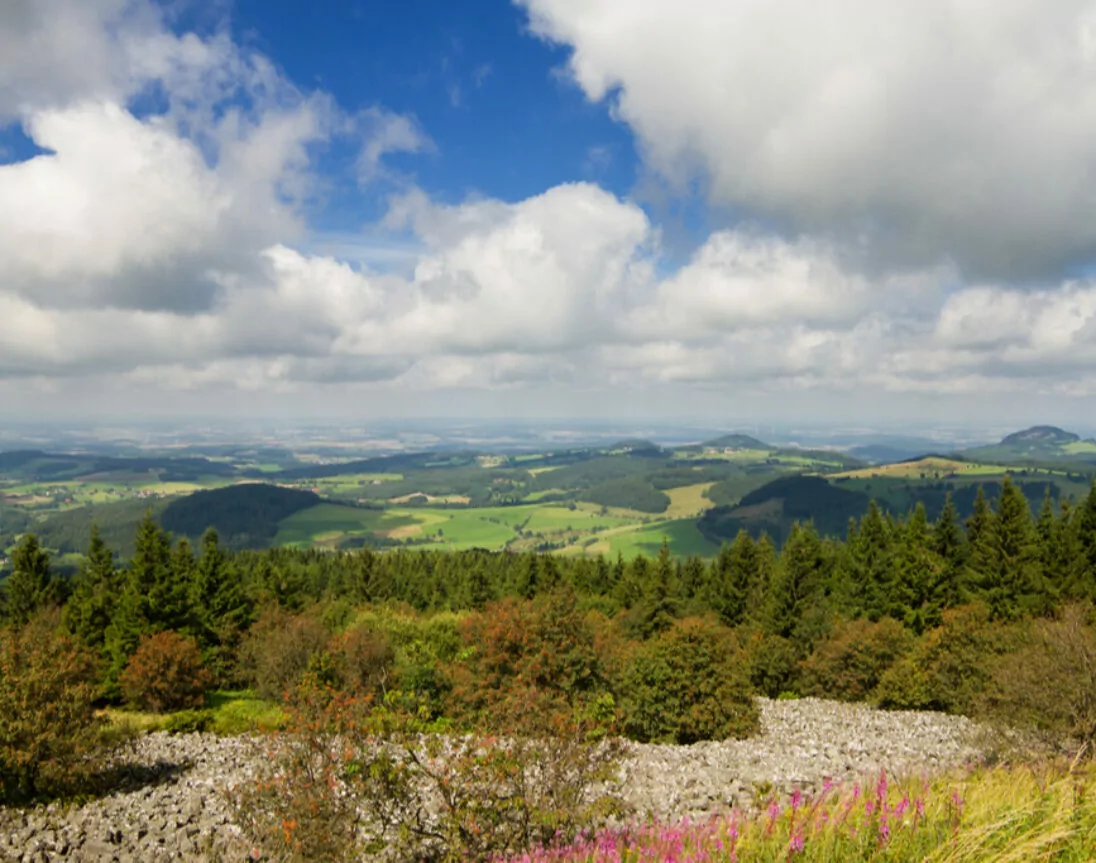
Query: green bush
689, 684
165, 674
950, 667
47, 723
773, 663
188, 722
848, 665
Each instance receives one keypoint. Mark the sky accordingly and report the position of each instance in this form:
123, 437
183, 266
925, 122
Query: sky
731, 210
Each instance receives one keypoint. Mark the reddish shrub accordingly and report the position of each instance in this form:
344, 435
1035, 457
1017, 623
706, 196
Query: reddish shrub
526, 664
165, 674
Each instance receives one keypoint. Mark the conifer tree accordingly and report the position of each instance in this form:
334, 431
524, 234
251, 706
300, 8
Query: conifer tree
871, 559
1086, 531
798, 580
95, 594
1065, 564
29, 587
1012, 580
736, 579
659, 606
916, 567
948, 588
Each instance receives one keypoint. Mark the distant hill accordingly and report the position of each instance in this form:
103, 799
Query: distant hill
1040, 436
1036, 445
774, 507
246, 515
735, 441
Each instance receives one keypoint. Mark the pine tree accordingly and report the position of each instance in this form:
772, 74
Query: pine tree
1086, 532
659, 606
96, 592
29, 587
1066, 566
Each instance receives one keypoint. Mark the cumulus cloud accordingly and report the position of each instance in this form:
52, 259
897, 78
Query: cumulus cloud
938, 130
160, 249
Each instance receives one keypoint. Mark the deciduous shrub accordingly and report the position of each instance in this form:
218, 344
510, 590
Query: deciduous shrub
849, 664
689, 684
526, 665
350, 780
950, 666
1049, 682
165, 674
773, 664
47, 723
277, 650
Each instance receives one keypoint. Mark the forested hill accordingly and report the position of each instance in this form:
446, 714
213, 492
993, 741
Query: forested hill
246, 515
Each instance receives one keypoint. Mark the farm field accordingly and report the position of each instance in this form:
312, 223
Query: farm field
926, 468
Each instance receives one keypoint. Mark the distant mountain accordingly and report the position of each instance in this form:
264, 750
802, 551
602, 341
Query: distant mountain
1040, 436
1036, 445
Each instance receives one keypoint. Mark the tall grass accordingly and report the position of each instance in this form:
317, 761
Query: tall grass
1002, 814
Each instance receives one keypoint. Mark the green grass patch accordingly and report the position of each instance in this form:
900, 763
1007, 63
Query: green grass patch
682, 535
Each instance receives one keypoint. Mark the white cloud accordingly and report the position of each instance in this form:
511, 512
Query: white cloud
938, 129
385, 132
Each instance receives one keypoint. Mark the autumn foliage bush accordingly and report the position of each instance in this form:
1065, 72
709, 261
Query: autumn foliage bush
849, 663
166, 673
526, 665
48, 683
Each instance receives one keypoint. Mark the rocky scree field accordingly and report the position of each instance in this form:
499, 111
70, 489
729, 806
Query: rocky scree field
176, 807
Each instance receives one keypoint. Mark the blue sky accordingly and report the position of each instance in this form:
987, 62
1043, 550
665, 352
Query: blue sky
733, 211
505, 123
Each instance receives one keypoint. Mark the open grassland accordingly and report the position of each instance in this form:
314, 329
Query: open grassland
926, 468
101, 488
688, 500
681, 535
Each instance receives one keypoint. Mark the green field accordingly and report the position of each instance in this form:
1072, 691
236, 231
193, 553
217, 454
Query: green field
329, 522
681, 535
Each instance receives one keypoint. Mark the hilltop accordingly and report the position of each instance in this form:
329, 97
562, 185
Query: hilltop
1038, 436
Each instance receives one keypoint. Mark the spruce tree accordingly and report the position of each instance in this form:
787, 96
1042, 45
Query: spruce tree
798, 580
948, 588
658, 608
915, 567
871, 559
95, 594
736, 579
1013, 582
29, 587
